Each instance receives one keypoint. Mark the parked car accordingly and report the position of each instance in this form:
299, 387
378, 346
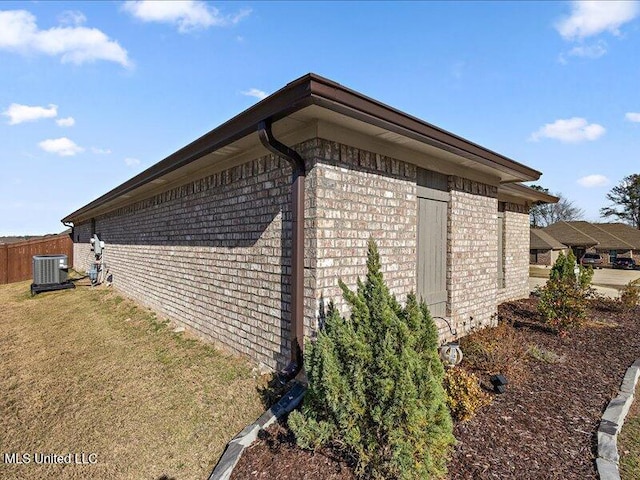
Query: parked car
593, 259
624, 262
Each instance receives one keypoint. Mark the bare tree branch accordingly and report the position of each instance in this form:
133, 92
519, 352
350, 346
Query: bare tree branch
547, 213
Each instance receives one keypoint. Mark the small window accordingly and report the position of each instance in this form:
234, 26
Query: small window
613, 254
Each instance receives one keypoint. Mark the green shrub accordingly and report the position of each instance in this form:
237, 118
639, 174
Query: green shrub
630, 294
375, 385
562, 304
563, 298
563, 269
464, 394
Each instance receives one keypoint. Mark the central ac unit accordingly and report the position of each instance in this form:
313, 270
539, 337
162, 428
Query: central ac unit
50, 272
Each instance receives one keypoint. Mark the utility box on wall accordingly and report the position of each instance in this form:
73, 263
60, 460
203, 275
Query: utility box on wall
50, 272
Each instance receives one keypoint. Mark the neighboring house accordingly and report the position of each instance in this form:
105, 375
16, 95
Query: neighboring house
609, 240
543, 248
242, 239
626, 233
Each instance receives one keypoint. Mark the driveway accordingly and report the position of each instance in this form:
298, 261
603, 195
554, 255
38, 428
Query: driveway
606, 281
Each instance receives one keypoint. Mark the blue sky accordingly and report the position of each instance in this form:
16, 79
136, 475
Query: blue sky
93, 93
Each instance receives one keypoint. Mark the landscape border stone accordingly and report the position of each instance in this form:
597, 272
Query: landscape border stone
611, 424
248, 435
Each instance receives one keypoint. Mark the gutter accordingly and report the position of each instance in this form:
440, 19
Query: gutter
297, 240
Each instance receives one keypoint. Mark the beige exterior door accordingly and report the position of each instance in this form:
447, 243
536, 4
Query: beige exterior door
432, 254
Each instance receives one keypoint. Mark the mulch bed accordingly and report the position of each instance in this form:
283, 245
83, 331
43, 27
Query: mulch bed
542, 428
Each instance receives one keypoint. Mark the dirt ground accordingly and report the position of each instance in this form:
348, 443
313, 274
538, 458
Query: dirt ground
86, 372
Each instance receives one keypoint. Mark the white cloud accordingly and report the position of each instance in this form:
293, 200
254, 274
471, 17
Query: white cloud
632, 116
596, 50
18, 113
74, 44
72, 17
590, 18
254, 92
66, 122
61, 146
570, 130
187, 15
132, 162
101, 151
595, 180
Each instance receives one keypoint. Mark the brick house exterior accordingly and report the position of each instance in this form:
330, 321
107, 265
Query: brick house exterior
609, 240
206, 237
544, 249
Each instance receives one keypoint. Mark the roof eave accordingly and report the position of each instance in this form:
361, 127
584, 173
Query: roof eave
531, 194
308, 90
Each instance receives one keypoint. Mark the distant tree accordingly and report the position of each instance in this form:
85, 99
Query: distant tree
626, 201
548, 213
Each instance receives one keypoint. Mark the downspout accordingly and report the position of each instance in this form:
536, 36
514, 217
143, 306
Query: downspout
297, 239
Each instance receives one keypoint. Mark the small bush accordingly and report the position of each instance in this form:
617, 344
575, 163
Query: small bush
630, 295
500, 349
562, 304
563, 298
375, 385
564, 269
464, 394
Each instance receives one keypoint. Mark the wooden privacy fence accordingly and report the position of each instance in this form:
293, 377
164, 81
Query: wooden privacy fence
16, 258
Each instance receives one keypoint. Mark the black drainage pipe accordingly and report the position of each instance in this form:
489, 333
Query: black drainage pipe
297, 248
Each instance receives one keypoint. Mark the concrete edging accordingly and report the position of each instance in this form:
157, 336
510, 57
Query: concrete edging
248, 435
611, 424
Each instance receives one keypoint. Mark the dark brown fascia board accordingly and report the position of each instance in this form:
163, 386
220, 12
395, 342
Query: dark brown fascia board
312, 89
529, 193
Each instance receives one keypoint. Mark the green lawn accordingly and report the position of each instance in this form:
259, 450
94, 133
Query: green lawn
86, 371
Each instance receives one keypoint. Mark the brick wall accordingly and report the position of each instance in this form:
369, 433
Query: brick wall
362, 195
516, 257
543, 258
82, 255
472, 255
213, 255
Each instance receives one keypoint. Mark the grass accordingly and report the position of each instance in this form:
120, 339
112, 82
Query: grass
538, 272
88, 371
629, 443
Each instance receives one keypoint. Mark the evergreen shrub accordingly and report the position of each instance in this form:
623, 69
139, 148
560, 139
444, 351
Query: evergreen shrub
563, 299
375, 385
